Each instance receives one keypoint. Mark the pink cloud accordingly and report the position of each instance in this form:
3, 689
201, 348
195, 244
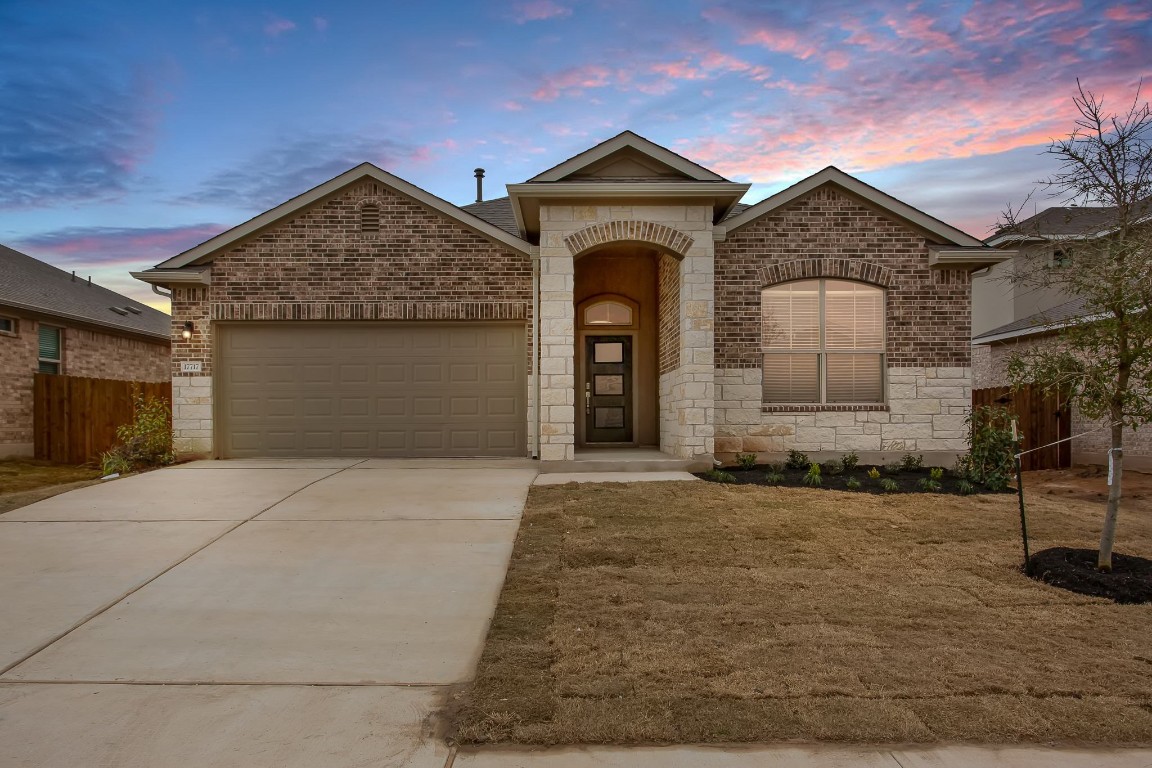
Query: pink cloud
513, 106
540, 10
780, 41
1127, 13
572, 81
277, 26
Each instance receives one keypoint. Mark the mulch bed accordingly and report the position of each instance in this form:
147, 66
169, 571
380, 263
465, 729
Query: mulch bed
907, 480
1129, 582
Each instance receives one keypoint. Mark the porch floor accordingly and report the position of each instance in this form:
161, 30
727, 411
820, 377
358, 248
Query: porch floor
624, 460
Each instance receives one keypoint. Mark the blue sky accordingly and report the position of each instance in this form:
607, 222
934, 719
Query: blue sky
130, 131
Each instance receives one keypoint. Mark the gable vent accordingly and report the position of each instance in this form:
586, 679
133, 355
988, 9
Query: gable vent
370, 218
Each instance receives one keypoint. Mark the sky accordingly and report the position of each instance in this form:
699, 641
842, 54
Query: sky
131, 131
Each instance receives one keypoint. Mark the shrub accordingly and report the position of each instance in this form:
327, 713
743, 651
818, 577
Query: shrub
888, 485
746, 460
813, 478
773, 478
965, 488
850, 461
908, 462
928, 485
874, 473
146, 442
719, 476
777, 467
852, 484
833, 467
797, 460
936, 473
893, 467
991, 461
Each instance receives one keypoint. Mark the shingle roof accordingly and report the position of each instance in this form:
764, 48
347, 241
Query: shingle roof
1061, 313
27, 283
498, 213
1065, 220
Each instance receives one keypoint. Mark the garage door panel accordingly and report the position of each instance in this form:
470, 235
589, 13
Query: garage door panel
371, 389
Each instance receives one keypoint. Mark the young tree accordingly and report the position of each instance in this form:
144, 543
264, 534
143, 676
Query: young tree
1103, 355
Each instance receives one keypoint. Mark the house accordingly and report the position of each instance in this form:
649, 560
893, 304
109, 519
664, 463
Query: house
1011, 317
622, 298
55, 322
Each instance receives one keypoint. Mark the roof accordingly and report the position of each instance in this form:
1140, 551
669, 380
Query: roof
623, 142
162, 273
1041, 322
498, 212
1059, 221
833, 175
30, 284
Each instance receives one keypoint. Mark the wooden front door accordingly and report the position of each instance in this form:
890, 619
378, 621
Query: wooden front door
608, 389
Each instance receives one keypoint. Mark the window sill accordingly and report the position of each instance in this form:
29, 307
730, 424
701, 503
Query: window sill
822, 407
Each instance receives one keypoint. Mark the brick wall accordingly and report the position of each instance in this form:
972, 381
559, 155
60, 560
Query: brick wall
828, 233
319, 265
928, 316
668, 338
86, 353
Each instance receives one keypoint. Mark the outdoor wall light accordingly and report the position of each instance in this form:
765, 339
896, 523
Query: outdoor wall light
187, 332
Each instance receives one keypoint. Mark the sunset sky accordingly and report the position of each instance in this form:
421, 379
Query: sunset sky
130, 131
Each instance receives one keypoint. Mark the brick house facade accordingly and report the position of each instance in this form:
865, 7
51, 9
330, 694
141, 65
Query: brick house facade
368, 317
93, 340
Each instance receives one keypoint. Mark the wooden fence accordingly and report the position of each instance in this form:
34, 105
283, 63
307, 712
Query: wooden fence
1042, 418
75, 418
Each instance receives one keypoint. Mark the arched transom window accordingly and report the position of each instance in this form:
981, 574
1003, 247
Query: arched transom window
608, 313
823, 342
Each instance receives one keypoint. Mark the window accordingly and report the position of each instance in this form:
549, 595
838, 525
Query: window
1059, 259
823, 342
8, 326
608, 313
370, 218
49, 349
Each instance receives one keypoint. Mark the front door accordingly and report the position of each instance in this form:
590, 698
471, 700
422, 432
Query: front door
608, 389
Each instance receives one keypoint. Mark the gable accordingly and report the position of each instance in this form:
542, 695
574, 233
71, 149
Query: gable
627, 155
628, 163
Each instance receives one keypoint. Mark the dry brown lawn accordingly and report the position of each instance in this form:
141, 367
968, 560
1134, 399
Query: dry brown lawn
24, 481
693, 612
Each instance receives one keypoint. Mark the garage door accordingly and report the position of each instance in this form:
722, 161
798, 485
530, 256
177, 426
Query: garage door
371, 389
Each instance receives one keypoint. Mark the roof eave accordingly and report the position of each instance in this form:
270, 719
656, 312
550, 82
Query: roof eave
621, 141
970, 259
88, 321
166, 277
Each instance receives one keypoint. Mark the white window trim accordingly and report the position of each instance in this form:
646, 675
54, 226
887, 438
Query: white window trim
14, 330
59, 362
822, 352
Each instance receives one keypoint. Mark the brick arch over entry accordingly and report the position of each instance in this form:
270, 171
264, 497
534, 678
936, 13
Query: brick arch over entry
672, 240
846, 269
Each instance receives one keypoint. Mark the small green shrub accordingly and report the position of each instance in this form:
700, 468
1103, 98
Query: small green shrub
936, 473
833, 467
777, 467
813, 478
893, 467
965, 488
719, 476
746, 460
888, 485
146, 442
908, 462
991, 461
773, 478
928, 485
852, 484
797, 460
850, 461
874, 473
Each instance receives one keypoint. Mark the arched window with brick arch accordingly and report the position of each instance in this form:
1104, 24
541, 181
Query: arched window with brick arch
823, 342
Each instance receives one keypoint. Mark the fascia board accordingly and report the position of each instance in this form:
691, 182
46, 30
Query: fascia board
169, 276
84, 321
633, 141
365, 170
860, 189
967, 258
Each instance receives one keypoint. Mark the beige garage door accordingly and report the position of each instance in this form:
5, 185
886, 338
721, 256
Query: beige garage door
371, 389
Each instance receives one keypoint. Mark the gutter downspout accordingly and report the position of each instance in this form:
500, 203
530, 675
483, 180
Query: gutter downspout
156, 289
536, 353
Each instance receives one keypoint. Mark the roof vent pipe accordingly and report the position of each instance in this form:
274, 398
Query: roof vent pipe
479, 185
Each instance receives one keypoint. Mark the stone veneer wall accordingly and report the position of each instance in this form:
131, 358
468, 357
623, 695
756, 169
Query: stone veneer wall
319, 265
87, 352
1090, 448
829, 233
687, 394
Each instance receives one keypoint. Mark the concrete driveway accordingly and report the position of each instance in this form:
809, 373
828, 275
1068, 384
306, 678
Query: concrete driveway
250, 613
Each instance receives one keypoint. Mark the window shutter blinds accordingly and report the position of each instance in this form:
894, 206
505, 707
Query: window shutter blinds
791, 316
854, 377
792, 378
49, 343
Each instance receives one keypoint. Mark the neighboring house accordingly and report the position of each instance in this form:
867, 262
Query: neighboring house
368, 317
55, 322
1012, 317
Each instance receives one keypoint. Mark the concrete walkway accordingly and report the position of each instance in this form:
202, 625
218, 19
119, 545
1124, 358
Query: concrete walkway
264, 613
299, 614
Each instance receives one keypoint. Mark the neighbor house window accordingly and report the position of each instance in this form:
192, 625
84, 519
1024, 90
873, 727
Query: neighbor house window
49, 349
8, 326
823, 342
